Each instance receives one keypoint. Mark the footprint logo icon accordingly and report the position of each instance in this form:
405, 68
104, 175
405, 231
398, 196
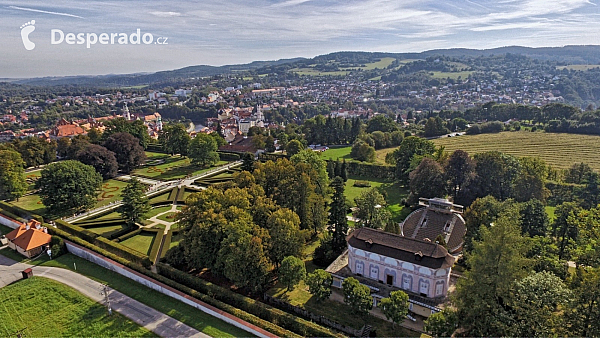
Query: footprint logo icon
26, 29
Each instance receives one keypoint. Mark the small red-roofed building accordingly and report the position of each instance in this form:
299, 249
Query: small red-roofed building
29, 239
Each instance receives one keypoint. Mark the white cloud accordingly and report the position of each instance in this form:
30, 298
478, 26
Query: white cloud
165, 14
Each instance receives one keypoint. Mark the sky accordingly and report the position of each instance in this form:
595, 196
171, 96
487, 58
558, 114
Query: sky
241, 31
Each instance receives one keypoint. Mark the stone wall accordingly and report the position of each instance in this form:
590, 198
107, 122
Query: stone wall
164, 289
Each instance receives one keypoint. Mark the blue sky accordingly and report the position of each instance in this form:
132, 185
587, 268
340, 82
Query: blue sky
240, 31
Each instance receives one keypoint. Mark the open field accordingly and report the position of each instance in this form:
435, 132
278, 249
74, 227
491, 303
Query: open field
314, 72
578, 67
344, 153
165, 304
452, 75
46, 308
335, 153
558, 150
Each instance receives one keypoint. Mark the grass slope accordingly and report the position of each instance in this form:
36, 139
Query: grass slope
558, 150
47, 308
165, 304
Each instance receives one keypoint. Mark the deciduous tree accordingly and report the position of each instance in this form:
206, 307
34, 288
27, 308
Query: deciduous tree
203, 150
68, 187
127, 149
395, 307
319, 284
12, 175
102, 159
292, 271
357, 296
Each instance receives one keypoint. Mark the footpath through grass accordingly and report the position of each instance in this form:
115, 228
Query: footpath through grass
46, 308
167, 305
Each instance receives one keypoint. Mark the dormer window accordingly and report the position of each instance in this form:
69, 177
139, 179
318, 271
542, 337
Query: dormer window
424, 224
418, 255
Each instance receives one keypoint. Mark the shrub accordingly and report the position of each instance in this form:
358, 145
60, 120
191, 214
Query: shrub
225, 156
362, 184
58, 247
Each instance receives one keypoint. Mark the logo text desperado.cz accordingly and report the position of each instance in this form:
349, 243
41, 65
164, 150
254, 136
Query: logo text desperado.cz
57, 37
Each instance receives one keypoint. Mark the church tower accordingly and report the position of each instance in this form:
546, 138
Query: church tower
126, 113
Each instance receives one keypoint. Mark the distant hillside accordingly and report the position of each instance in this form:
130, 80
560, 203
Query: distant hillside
149, 78
567, 55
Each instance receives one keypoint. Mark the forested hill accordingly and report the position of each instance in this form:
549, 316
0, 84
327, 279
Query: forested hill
568, 55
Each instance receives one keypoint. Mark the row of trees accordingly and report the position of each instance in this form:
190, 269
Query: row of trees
202, 149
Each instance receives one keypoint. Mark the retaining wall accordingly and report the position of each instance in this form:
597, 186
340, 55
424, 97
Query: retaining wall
165, 289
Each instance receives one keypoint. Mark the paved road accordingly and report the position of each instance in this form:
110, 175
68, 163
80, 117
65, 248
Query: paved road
159, 323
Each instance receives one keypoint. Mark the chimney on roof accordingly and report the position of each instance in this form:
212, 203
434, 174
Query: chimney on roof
27, 227
45, 230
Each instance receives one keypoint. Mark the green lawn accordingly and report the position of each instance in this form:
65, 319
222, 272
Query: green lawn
155, 211
106, 231
110, 192
153, 156
31, 203
46, 308
170, 217
178, 310
141, 242
394, 194
550, 211
4, 230
174, 168
335, 153
176, 239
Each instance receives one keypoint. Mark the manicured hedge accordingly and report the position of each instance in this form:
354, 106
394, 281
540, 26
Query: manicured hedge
264, 311
371, 170
100, 224
126, 230
166, 244
180, 194
104, 243
13, 216
95, 220
155, 148
202, 297
362, 184
226, 156
173, 194
128, 235
20, 212
156, 245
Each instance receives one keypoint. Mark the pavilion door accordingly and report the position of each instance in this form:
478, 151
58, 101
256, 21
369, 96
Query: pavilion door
359, 268
405, 283
374, 273
389, 279
424, 288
